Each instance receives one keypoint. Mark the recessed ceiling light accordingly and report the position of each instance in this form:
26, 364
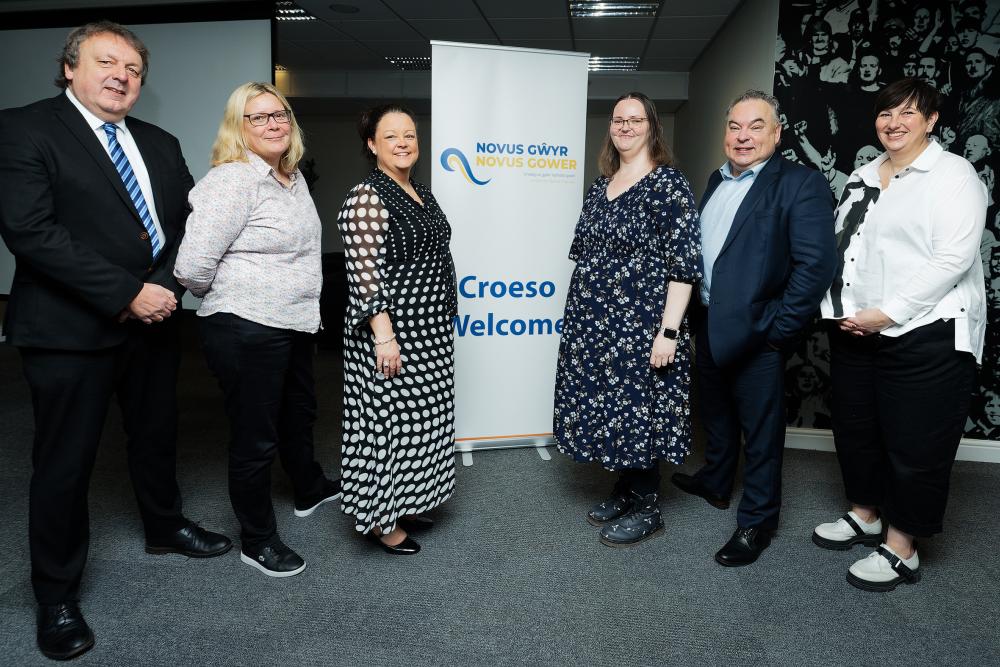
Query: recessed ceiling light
410, 62
344, 9
613, 63
289, 11
280, 68
598, 8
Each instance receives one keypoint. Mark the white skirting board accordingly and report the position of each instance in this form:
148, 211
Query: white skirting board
986, 451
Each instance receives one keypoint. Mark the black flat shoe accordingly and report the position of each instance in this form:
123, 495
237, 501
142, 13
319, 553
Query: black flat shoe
192, 541
696, 487
62, 632
744, 547
407, 547
415, 523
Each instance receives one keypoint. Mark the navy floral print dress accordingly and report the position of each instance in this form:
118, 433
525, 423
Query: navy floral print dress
611, 406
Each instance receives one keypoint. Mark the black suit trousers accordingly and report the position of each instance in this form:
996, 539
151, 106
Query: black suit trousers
266, 375
71, 392
743, 401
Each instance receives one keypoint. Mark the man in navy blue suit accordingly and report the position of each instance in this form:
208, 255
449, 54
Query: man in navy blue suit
770, 255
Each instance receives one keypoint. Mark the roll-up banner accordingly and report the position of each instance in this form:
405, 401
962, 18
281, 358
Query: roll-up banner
508, 128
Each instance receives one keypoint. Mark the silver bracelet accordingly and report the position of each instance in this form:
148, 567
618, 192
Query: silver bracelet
383, 342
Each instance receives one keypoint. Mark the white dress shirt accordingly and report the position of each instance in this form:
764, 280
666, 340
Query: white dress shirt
128, 145
913, 250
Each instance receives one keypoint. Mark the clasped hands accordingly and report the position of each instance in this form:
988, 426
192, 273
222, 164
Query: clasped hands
153, 303
866, 322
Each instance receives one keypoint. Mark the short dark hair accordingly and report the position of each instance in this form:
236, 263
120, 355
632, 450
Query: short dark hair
917, 92
659, 153
70, 56
369, 121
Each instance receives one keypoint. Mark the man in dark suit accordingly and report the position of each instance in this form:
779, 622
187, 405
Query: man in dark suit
770, 254
93, 207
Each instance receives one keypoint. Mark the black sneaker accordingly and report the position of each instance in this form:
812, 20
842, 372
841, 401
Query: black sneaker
331, 491
641, 523
274, 560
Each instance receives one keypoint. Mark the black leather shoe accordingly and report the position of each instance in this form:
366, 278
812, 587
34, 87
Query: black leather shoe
415, 523
331, 491
743, 547
407, 547
642, 523
694, 486
62, 632
274, 559
617, 505
192, 541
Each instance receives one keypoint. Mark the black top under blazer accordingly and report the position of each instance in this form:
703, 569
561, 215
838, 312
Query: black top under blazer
776, 264
82, 252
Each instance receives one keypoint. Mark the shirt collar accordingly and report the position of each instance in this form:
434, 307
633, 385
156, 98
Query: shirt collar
93, 121
727, 171
924, 162
263, 168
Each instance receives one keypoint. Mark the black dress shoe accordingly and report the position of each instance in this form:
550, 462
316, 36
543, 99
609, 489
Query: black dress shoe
62, 632
617, 505
407, 547
743, 547
696, 487
193, 541
415, 523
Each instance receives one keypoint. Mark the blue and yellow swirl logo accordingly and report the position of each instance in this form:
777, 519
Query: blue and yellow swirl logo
453, 159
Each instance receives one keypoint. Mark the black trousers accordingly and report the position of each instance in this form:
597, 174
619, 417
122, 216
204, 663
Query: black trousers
899, 408
70, 394
266, 375
743, 401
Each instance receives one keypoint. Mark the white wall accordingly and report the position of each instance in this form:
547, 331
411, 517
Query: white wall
740, 57
332, 140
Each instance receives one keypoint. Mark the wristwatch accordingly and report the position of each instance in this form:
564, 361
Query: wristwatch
670, 333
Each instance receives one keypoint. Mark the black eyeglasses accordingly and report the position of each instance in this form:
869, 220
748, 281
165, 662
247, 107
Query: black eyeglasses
257, 119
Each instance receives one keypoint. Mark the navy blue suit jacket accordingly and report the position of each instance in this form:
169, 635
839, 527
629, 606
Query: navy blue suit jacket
776, 263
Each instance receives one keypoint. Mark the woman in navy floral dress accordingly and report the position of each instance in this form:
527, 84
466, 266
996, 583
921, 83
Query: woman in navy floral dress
624, 368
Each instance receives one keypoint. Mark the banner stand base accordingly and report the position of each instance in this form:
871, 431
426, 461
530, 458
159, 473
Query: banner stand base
540, 443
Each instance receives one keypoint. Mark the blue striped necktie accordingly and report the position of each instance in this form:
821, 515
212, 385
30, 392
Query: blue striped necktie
132, 185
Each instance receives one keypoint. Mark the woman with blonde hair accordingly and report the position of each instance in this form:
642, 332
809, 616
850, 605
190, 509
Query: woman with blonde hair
252, 252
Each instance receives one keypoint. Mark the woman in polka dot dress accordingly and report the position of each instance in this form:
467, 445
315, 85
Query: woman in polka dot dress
399, 390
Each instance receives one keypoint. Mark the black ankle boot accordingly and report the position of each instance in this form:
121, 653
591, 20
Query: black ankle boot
618, 504
641, 523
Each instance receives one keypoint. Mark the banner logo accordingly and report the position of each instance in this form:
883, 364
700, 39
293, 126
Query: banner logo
453, 159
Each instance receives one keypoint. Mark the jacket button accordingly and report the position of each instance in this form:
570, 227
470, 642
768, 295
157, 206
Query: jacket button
144, 236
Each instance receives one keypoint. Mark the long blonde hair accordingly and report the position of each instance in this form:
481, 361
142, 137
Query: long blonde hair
230, 144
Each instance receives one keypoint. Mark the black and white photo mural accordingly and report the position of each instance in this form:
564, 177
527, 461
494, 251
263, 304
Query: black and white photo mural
831, 60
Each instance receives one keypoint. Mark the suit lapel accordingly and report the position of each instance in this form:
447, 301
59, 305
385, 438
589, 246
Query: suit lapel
75, 123
762, 182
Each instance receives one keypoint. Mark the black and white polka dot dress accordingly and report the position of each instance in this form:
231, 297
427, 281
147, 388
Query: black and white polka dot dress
399, 433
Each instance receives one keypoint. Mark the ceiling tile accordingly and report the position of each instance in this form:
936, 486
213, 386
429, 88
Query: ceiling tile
611, 47
687, 27
666, 64
459, 30
675, 48
299, 31
509, 29
524, 9
368, 9
378, 30
339, 55
612, 28
699, 8
436, 9
549, 44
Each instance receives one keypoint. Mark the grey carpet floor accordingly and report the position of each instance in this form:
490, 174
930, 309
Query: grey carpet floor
511, 575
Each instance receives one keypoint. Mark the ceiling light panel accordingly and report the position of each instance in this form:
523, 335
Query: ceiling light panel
612, 8
410, 62
289, 11
613, 63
